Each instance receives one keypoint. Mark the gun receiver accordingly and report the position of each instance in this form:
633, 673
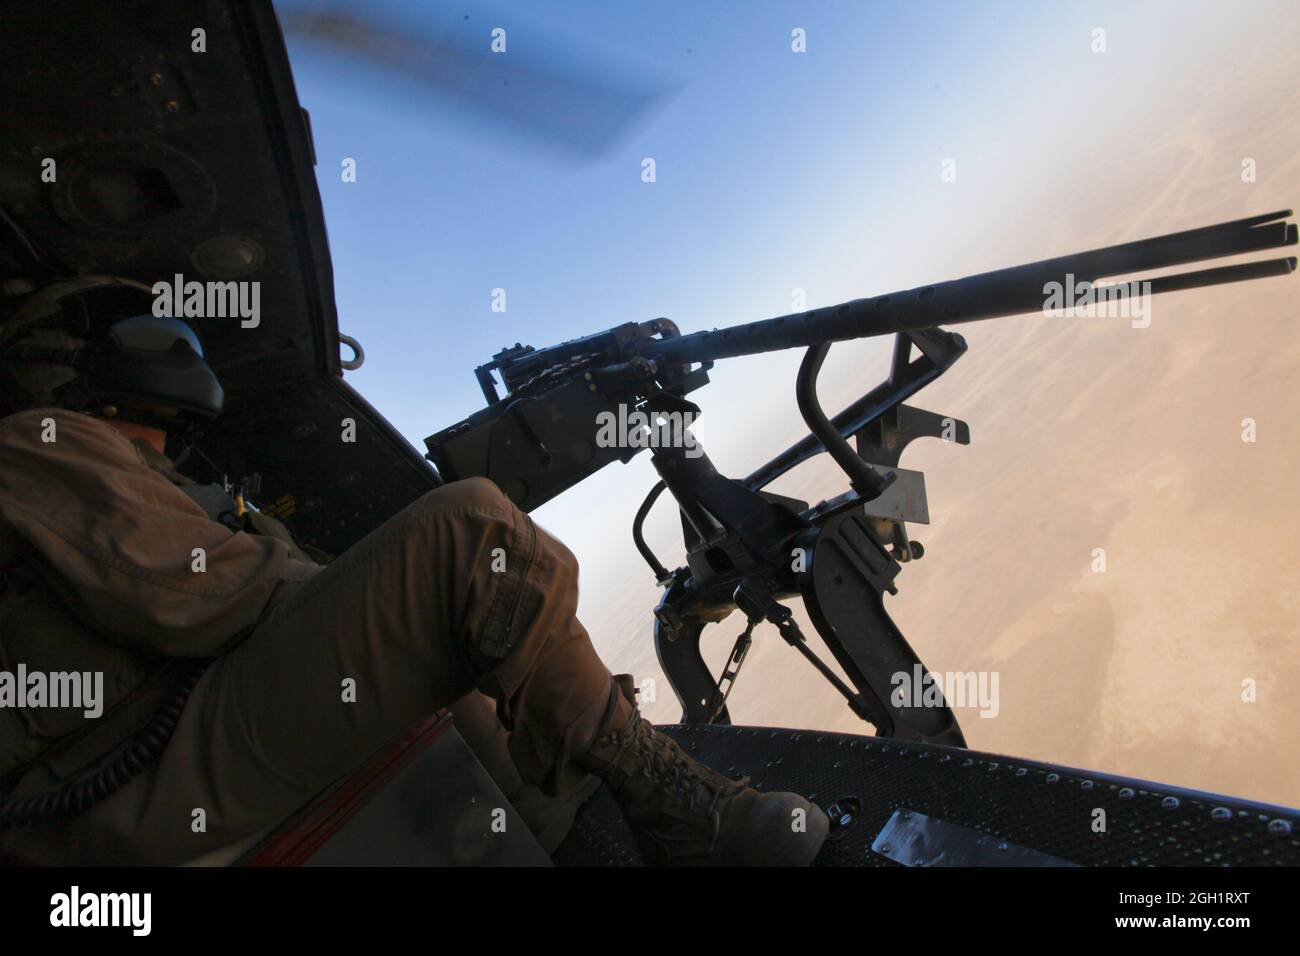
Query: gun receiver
544, 435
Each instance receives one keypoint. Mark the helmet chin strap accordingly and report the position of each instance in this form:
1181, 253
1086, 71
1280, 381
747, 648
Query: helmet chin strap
157, 437
161, 418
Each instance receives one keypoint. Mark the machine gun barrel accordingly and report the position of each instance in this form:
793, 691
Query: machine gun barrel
1005, 292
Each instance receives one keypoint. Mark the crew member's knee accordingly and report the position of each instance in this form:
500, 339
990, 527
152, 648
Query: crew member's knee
463, 516
469, 494
513, 586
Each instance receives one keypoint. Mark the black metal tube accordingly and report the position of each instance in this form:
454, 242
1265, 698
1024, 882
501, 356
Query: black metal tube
638, 536
1014, 291
866, 481
870, 406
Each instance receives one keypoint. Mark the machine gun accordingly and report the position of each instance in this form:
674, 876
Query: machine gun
749, 549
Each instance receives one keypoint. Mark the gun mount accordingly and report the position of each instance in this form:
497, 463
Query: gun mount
749, 549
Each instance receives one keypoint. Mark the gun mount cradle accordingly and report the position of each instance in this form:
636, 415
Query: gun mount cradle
750, 549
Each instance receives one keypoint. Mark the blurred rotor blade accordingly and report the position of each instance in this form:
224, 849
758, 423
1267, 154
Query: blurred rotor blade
543, 85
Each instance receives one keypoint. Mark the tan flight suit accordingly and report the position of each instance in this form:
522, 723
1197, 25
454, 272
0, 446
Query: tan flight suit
97, 553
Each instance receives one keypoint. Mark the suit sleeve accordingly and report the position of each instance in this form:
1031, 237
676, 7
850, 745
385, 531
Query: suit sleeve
132, 556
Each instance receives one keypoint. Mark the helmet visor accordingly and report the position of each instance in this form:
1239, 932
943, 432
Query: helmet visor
153, 333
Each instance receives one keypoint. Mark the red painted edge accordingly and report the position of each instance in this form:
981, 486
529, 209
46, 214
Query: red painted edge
298, 838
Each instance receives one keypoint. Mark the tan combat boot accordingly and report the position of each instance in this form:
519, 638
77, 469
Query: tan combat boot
683, 814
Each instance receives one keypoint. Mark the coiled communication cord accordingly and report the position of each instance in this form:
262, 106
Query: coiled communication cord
79, 795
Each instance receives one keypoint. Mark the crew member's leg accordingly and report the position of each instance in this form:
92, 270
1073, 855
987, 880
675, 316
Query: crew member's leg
406, 621
460, 590
550, 818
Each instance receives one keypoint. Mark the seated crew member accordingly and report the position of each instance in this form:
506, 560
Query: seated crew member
98, 544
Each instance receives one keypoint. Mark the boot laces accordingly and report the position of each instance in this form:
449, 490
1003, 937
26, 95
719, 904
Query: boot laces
665, 763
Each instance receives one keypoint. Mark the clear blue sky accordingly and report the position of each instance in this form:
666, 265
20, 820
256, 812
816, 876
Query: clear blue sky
775, 171
443, 211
